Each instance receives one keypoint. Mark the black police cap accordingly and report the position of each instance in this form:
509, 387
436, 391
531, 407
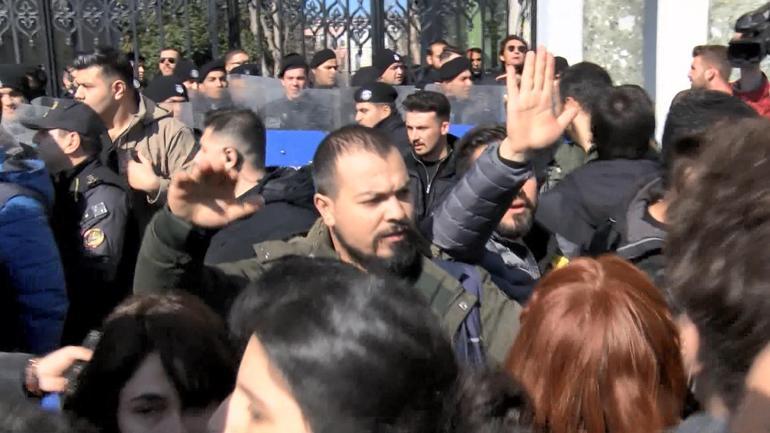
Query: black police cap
14, 77
246, 69
453, 68
70, 115
186, 70
376, 93
322, 57
214, 65
161, 88
383, 59
292, 61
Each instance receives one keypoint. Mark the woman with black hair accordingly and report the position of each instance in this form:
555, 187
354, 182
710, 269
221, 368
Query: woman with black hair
332, 349
163, 364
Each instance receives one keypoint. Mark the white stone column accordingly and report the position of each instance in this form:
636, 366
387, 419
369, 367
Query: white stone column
560, 28
682, 24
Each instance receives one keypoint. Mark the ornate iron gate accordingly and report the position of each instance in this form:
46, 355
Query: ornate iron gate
50, 32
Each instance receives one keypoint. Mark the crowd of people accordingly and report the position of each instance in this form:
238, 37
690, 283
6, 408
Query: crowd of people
561, 272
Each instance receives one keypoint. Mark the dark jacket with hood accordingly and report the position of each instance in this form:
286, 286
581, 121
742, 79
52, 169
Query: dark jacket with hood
632, 233
585, 199
430, 183
33, 298
288, 212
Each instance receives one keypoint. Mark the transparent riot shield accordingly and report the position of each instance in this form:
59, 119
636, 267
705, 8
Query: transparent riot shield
253, 92
313, 109
184, 113
347, 105
480, 106
403, 92
203, 102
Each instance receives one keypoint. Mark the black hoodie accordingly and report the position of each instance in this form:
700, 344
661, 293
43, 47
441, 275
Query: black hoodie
288, 212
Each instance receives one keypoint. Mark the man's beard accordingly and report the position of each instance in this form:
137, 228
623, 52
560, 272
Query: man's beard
405, 262
521, 225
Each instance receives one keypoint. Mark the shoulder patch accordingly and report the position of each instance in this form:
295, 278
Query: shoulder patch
95, 211
93, 238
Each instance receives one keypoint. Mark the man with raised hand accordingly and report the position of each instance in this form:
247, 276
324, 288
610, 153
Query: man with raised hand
362, 194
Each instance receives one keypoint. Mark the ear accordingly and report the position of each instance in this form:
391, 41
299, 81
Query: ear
709, 74
71, 143
502, 59
445, 127
388, 111
232, 158
325, 207
119, 89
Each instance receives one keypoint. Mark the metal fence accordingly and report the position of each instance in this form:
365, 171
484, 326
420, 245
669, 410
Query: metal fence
50, 32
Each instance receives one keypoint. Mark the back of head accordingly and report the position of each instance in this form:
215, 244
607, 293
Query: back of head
598, 351
715, 56
113, 64
347, 139
584, 82
693, 113
478, 137
717, 269
359, 352
449, 52
244, 128
189, 338
623, 123
426, 101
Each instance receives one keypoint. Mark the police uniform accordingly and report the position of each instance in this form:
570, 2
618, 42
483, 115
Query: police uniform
90, 218
393, 125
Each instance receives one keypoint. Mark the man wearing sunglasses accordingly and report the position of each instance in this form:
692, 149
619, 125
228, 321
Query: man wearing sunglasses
169, 57
513, 49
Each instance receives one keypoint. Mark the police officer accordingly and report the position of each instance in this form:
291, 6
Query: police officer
376, 108
91, 213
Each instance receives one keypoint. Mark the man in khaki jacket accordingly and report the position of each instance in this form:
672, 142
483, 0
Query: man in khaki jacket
150, 145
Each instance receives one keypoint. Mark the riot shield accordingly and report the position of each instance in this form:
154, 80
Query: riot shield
313, 109
202, 103
403, 92
184, 114
252, 92
347, 105
485, 105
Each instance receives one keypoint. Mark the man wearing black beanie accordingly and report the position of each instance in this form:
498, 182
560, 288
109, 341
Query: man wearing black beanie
389, 67
376, 108
324, 65
455, 78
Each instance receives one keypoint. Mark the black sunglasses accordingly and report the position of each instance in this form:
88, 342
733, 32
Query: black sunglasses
168, 59
520, 48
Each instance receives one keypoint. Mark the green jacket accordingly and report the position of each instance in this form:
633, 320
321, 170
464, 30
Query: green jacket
172, 258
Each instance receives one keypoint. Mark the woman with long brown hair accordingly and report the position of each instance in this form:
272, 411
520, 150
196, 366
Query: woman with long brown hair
598, 352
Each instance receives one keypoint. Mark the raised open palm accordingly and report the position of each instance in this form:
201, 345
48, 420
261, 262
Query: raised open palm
531, 123
205, 196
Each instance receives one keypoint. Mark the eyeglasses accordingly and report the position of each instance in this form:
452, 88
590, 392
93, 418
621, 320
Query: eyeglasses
170, 60
520, 48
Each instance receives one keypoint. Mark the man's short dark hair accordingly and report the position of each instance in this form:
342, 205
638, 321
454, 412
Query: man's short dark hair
623, 123
510, 38
429, 51
584, 82
476, 50
480, 136
113, 64
716, 57
245, 127
232, 53
427, 101
718, 255
692, 113
345, 140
